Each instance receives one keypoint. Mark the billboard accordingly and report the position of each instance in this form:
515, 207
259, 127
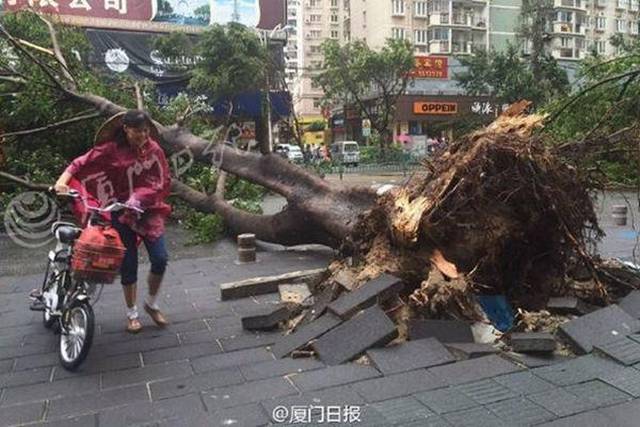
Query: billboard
157, 15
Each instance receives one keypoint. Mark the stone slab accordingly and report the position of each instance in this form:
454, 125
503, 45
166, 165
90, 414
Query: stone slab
598, 393
567, 305
304, 334
560, 402
371, 328
466, 350
243, 394
627, 380
443, 401
536, 342
578, 370
524, 383
473, 369
623, 350
602, 326
333, 376
446, 331
520, 412
402, 410
485, 391
280, 367
392, 386
376, 290
631, 304
410, 355
265, 285
533, 360
476, 417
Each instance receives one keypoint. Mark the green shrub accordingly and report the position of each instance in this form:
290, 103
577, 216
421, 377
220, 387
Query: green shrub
205, 228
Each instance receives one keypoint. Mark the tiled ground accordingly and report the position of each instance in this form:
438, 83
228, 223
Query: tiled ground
206, 371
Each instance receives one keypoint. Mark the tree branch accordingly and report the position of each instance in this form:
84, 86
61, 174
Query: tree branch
139, 99
577, 96
24, 183
35, 60
57, 52
52, 125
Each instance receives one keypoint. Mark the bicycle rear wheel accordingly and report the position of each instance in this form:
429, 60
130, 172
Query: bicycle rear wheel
77, 335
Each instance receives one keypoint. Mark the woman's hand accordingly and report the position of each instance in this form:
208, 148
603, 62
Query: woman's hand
61, 188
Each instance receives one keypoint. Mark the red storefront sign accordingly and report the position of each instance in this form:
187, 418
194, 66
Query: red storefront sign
431, 67
436, 108
131, 10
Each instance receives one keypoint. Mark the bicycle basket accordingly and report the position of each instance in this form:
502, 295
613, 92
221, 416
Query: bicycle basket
97, 255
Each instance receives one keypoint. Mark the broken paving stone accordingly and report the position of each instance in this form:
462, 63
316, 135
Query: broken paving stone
296, 294
410, 355
624, 350
536, 360
466, 350
631, 304
446, 331
266, 317
600, 327
376, 290
568, 305
304, 334
371, 328
267, 284
532, 342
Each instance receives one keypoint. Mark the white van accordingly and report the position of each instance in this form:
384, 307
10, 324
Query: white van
346, 152
290, 152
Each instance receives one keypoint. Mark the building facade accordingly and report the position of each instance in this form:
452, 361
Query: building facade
316, 21
580, 27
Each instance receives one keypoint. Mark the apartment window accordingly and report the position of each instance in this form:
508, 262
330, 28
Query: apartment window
316, 103
621, 25
439, 34
633, 27
334, 3
601, 46
334, 34
601, 22
397, 7
565, 42
334, 18
420, 37
622, 4
314, 49
437, 6
564, 16
420, 8
315, 3
634, 5
315, 18
315, 34
397, 33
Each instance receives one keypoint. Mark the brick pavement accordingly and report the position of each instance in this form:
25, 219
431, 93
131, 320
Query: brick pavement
205, 370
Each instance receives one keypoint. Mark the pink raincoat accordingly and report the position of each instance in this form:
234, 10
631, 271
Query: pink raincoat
113, 171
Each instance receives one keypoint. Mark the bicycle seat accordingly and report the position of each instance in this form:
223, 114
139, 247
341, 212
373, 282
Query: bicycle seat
66, 232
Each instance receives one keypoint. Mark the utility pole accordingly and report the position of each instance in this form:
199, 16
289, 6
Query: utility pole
236, 12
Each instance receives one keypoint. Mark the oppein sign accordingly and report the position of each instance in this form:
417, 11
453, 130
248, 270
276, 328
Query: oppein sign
437, 108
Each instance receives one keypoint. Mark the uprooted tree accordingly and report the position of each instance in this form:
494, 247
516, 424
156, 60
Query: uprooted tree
498, 209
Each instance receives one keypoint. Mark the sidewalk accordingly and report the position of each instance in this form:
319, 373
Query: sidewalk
204, 370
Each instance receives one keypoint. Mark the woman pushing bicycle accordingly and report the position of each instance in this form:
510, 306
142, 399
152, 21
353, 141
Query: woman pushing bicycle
127, 165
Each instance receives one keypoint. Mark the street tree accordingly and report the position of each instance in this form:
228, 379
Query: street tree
508, 76
370, 80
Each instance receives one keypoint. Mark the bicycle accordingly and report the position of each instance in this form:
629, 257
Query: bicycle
65, 302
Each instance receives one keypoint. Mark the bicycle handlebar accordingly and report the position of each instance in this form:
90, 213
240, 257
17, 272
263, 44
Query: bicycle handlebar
113, 207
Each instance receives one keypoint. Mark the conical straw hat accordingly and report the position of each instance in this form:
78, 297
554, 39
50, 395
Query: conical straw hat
110, 128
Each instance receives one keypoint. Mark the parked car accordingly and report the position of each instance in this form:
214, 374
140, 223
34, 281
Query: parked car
346, 152
293, 153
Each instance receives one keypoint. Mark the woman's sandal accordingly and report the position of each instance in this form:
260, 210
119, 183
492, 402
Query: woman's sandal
134, 326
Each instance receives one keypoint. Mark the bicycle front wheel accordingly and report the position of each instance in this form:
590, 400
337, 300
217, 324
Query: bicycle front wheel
77, 335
